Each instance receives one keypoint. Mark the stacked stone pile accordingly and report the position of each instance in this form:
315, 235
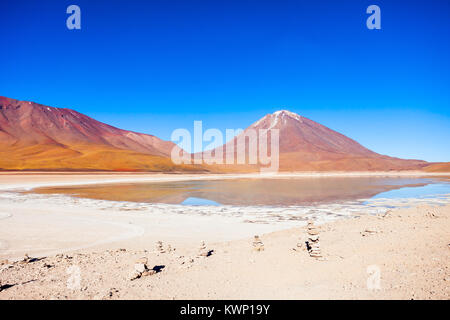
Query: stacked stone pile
258, 245
160, 247
141, 269
313, 244
203, 250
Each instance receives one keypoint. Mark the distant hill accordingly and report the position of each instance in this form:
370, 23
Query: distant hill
38, 137
438, 167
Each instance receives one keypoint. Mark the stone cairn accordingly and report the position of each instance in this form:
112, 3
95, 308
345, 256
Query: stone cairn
313, 240
432, 213
203, 250
160, 247
141, 269
258, 245
27, 259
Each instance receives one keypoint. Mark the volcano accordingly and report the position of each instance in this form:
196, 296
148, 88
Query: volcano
39, 137
305, 145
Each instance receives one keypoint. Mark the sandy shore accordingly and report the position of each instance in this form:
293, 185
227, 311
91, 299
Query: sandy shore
409, 249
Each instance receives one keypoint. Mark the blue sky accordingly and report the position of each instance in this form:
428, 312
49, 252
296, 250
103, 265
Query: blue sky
154, 66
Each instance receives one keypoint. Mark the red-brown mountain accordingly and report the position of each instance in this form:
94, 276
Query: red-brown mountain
305, 145
38, 137
34, 136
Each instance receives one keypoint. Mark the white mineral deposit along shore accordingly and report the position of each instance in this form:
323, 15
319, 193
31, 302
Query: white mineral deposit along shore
397, 254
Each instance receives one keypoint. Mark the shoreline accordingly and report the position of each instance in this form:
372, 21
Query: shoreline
105, 238
57, 220
392, 244
11, 181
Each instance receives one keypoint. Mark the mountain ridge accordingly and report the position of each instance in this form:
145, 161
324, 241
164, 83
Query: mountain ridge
35, 136
38, 137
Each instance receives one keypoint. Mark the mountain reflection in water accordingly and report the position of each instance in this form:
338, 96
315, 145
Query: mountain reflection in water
257, 192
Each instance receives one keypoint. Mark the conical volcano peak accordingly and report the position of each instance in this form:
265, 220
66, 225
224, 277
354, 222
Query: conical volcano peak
281, 114
277, 119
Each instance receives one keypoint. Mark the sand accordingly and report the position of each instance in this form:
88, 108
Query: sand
402, 255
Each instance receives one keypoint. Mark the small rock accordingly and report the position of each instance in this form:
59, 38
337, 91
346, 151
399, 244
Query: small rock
369, 232
107, 294
314, 237
5, 267
148, 273
140, 267
187, 261
387, 214
300, 245
432, 214
26, 259
135, 275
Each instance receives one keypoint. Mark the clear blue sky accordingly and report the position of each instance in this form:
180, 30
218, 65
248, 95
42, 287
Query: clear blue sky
153, 66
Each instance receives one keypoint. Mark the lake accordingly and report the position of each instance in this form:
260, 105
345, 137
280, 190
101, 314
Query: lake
277, 192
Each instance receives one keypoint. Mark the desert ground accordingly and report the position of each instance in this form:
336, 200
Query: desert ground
69, 250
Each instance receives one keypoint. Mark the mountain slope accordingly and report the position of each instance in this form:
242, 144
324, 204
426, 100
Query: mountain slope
34, 136
26, 123
438, 167
38, 137
305, 145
